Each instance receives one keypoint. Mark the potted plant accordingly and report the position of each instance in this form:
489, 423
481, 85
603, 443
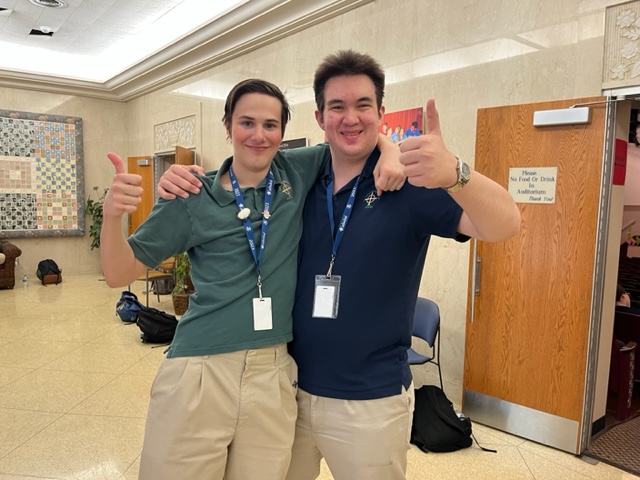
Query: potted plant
183, 286
93, 208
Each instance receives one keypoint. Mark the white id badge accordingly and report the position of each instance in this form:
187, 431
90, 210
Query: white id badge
326, 296
262, 314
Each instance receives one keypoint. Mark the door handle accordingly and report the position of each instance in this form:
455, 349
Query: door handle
476, 279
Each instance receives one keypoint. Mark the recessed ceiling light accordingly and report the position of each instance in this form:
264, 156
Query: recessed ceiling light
49, 3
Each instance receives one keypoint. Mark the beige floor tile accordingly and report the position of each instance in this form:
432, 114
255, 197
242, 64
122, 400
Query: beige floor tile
125, 396
543, 460
79, 447
75, 330
18, 426
5, 340
149, 364
325, 473
21, 326
10, 374
132, 471
22, 477
51, 391
470, 463
99, 358
33, 353
125, 334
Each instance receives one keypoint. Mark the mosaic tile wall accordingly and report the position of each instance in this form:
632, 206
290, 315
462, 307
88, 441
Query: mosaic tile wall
41, 188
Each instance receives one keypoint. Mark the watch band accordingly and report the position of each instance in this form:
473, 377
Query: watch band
462, 169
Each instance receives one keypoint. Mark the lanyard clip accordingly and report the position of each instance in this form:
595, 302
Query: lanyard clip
333, 259
259, 286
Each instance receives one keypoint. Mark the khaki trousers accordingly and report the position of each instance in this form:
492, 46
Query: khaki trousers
359, 439
229, 416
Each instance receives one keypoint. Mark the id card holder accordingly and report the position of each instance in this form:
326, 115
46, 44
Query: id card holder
326, 296
262, 319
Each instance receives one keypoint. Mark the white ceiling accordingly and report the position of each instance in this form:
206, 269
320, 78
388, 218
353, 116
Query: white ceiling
121, 49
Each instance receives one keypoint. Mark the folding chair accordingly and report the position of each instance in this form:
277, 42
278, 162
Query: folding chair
426, 326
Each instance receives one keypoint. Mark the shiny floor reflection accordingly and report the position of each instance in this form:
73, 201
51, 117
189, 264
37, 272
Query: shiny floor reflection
74, 388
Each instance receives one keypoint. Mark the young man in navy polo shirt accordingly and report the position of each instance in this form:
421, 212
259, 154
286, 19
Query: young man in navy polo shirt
360, 265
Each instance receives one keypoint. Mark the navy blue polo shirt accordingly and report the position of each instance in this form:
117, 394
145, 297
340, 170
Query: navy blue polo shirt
362, 354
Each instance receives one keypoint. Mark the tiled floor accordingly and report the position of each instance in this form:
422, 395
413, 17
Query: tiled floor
74, 386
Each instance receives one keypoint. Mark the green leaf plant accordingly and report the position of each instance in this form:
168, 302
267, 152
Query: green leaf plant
93, 208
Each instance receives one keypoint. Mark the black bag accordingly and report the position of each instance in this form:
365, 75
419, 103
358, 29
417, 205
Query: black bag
436, 425
48, 272
162, 286
128, 307
156, 326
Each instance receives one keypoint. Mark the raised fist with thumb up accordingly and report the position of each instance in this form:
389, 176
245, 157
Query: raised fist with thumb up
125, 193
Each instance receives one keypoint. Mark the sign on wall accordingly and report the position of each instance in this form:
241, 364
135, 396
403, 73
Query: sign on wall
41, 175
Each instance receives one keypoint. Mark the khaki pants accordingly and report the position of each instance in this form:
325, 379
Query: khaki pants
229, 416
359, 439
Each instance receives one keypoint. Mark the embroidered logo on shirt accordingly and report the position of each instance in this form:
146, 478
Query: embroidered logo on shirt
370, 198
285, 187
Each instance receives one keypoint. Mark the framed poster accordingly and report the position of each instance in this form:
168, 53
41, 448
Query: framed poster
402, 124
41, 175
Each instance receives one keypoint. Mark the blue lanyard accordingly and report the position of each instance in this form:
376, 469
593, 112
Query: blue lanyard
337, 236
268, 196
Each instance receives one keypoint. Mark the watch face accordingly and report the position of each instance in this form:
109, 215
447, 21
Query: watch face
465, 172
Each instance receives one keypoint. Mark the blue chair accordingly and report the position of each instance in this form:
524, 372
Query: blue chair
426, 326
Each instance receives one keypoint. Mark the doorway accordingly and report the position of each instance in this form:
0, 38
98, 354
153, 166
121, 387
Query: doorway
540, 308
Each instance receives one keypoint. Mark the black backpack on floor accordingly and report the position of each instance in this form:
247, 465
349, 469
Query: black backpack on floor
436, 425
48, 272
156, 326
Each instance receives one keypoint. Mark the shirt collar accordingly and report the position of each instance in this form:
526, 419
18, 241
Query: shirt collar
225, 197
367, 170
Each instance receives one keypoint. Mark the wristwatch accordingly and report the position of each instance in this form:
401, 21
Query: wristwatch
464, 173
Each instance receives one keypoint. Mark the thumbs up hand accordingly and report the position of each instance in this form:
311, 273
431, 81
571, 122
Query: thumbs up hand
125, 193
427, 162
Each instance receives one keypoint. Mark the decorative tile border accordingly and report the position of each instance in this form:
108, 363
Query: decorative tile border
176, 132
621, 66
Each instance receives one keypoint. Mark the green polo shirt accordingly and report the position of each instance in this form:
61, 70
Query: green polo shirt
220, 314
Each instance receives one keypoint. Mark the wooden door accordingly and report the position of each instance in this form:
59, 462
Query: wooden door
184, 156
142, 166
528, 323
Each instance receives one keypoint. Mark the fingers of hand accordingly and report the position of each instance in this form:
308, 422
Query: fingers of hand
125, 193
197, 169
177, 185
162, 193
422, 174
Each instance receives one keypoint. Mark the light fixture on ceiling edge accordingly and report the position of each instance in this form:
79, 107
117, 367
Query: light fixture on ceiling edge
49, 3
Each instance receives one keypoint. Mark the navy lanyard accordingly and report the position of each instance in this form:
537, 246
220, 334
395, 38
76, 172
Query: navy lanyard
337, 236
268, 196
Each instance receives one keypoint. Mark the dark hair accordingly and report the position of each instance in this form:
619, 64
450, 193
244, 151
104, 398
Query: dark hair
414, 124
347, 63
255, 85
